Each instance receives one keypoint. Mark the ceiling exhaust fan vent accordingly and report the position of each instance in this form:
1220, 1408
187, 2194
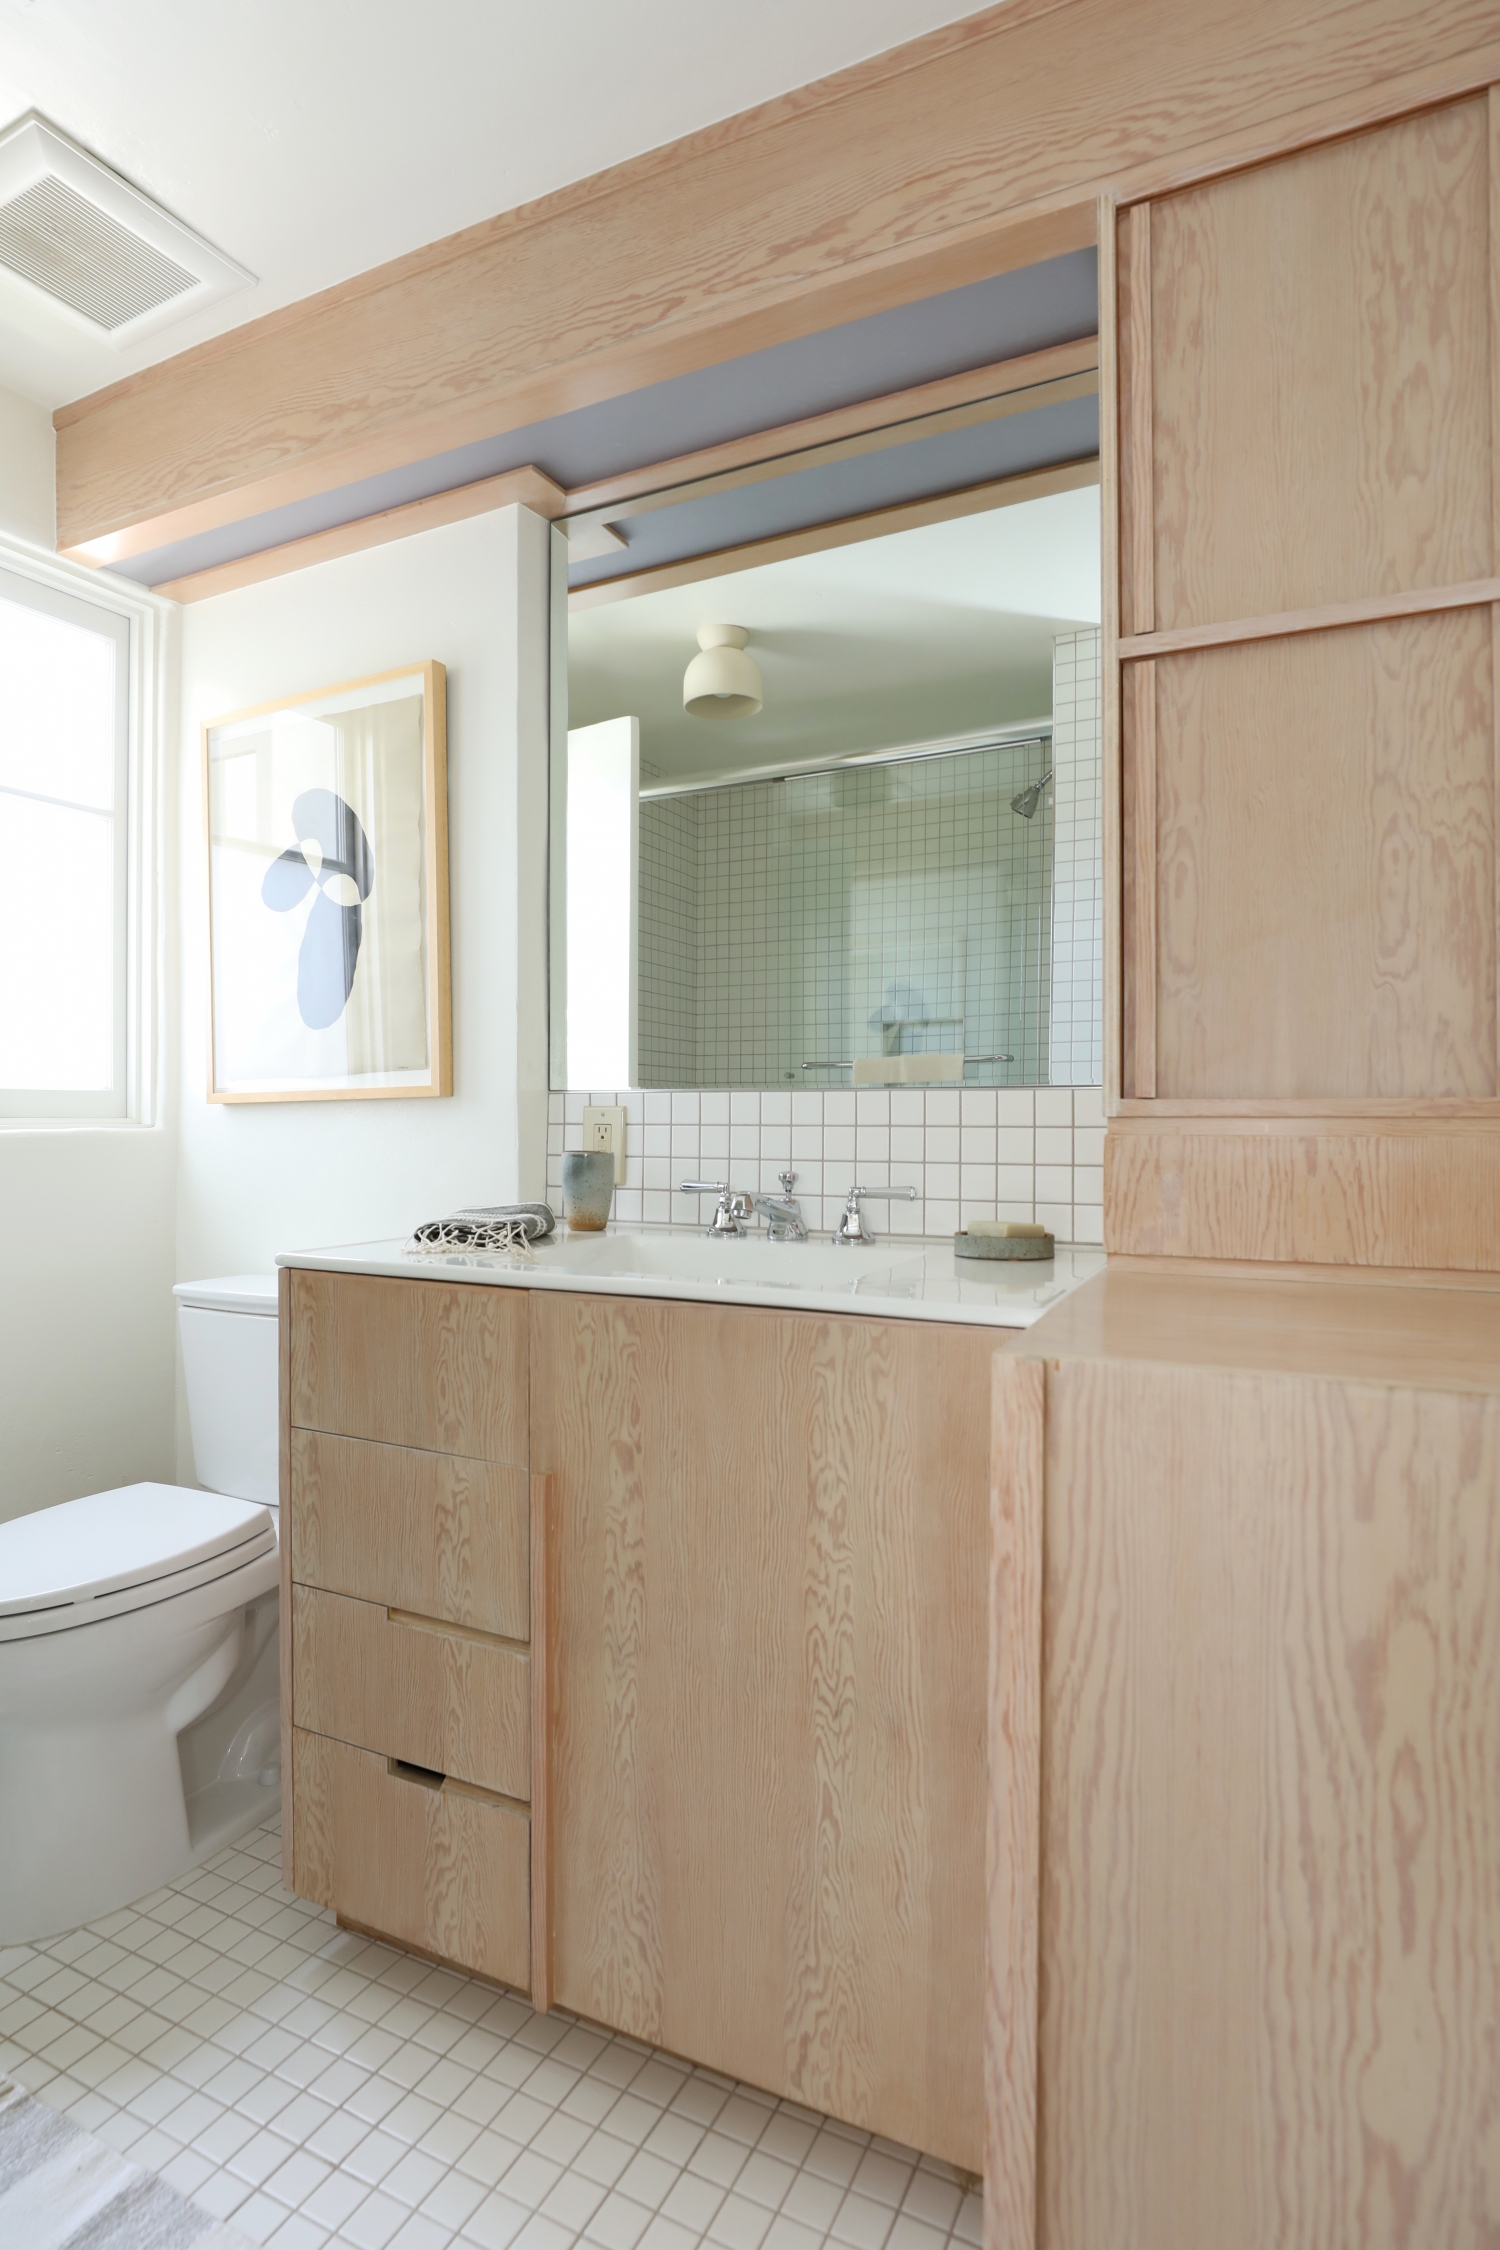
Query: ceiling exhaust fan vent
58, 241
83, 238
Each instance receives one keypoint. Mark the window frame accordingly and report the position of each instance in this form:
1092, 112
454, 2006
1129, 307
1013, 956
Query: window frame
133, 619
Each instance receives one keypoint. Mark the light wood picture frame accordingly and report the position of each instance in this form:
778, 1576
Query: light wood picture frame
326, 846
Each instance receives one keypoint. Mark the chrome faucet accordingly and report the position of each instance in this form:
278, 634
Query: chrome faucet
782, 1213
783, 1217
851, 1227
731, 1211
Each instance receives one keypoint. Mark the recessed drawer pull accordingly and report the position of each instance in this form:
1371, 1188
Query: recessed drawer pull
419, 1624
402, 1769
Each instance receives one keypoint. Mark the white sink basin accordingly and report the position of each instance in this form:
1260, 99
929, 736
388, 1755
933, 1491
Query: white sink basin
911, 1277
666, 1254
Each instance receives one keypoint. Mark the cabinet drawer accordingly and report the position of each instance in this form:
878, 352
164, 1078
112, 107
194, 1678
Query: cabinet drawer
432, 1532
426, 1693
444, 1870
422, 1363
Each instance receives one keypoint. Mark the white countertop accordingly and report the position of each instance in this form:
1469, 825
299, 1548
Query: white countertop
907, 1277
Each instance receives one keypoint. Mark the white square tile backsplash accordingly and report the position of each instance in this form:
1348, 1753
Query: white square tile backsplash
1011, 1154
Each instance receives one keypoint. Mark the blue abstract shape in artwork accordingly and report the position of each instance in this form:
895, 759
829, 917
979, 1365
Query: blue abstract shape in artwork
331, 940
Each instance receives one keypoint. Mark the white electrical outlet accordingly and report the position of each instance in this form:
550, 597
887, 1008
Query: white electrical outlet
604, 1127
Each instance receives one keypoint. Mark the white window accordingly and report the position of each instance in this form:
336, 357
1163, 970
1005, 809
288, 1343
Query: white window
64, 741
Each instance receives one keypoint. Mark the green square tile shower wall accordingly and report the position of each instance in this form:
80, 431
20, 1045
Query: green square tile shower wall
901, 908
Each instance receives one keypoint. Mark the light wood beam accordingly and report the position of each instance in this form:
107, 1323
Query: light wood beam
945, 161
1030, 379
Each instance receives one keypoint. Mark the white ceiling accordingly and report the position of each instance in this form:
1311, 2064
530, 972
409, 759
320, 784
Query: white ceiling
910, 638
313, 139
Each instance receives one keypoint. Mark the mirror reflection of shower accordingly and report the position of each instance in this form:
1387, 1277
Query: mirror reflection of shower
1027, 800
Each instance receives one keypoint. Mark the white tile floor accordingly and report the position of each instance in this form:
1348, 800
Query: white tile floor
311, 2087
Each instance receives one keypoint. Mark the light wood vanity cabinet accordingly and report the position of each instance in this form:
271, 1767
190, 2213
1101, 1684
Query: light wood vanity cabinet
406, 1610
636, 1655
767, 1760
1247, 1725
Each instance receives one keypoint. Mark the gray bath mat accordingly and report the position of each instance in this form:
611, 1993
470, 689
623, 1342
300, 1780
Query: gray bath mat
60, 2189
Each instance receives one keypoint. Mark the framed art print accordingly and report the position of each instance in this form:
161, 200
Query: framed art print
328, 894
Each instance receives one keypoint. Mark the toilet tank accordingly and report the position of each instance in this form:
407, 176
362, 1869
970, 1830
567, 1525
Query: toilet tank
228, 1329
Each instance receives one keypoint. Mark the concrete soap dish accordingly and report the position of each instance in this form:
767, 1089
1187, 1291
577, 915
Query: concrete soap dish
1026, 1246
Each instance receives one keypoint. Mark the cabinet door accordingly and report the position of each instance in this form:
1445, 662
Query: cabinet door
766, 1734
1309, 487
1264, 1966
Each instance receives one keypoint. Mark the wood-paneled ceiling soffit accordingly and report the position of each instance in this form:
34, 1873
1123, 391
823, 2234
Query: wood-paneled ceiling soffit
976, 149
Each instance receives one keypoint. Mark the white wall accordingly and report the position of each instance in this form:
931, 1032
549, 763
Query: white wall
256, 1178
86, 1330
28, 471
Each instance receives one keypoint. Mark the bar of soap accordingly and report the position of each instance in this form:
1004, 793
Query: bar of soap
1008, 1230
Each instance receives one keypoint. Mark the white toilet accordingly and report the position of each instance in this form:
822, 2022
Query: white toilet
139, 1724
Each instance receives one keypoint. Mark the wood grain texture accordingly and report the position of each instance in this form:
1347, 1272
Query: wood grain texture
952, 158
1321, 392
1138, 859
1326, 865
1440, 1332
1111, 595
442, 1870
430, 1364
433, 1532
432, 1695
1305, 1193
1371, 609
1013, 1842
767, 1750
541, 1735
286, 1513
1137, 529
1270, 1813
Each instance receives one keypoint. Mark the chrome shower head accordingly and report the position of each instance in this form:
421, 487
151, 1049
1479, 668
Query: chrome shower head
1027, 800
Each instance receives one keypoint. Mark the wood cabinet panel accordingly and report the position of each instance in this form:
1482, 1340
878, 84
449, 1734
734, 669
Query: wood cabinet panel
432, 1364
421, 1692
768, 1543
442, 1870
432, 1532
1326, 863
1270, 1901
1319, 332
1307, 1191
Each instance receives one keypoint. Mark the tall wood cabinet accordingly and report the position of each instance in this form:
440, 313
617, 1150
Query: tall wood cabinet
1309, 489
1246, 1724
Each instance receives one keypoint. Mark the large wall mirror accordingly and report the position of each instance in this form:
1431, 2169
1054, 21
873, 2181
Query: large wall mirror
832, 819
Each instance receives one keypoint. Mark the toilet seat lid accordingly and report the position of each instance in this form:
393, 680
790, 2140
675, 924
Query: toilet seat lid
121, 1550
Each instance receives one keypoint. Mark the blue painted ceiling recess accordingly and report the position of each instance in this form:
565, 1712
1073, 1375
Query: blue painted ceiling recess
948, 462
1056, 302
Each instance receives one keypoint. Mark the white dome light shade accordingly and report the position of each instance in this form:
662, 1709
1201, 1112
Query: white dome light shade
722, 682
